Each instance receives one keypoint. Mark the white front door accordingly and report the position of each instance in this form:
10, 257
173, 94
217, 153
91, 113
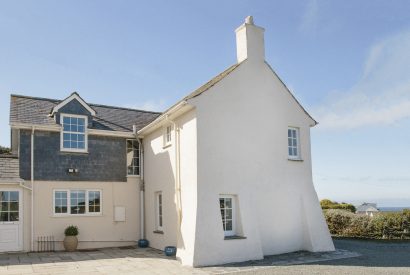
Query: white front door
10, 220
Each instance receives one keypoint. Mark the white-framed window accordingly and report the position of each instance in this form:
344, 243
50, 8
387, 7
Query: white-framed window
227, 207
77, 202
9, 206
158, 211
74, 133
133, 157
293, 143
167, 135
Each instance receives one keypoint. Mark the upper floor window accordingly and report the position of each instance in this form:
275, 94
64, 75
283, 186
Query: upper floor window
167, 135
293, 143
73, 135
133, 157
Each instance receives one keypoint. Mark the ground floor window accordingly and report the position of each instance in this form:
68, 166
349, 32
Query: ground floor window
77, 202
9, 206
227, 207
158, 210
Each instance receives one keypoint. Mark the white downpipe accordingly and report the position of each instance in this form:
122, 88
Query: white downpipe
32, 188
177, 172
142, 188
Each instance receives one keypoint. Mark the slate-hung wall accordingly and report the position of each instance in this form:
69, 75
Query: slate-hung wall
105, 160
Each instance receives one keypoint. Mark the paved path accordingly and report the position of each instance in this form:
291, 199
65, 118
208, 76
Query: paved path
101, 261
376, 258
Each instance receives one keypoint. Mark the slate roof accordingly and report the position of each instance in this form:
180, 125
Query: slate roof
9, 169
35, 110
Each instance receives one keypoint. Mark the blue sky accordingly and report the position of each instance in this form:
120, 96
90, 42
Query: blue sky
348, 62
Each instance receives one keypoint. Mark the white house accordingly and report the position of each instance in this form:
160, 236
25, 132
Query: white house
368, 209
227, 170
224, 175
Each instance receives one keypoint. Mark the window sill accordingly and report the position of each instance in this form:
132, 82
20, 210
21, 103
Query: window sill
166, 146
158, 232
295, 159
133, 176
227, 238
74, 152
75, 215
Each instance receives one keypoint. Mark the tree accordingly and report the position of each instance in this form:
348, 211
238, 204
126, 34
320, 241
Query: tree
4, 150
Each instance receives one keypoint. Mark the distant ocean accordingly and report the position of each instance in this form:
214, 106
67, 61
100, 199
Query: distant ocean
393, 209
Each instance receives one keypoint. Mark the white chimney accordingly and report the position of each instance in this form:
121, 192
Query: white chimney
250, 43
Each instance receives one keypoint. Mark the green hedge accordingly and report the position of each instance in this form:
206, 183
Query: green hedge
328, 204
383, 225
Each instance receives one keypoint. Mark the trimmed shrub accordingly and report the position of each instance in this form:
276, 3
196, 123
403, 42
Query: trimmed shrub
338, 220
71, 230
382, 225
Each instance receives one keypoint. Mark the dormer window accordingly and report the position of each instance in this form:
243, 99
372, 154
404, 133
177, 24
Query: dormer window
73, 133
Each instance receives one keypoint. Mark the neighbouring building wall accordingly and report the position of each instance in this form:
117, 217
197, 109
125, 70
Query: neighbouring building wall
159, 176
105, 160
95, 231
242, 127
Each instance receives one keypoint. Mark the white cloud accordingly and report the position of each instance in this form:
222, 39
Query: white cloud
380, 97
310, 17
149, 105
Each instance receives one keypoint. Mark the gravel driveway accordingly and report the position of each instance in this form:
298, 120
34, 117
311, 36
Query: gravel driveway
378, 257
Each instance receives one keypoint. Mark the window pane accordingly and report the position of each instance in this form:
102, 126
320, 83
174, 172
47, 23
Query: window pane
4, 206
66, 120
294, 142
4, 216
93, 201
81, 145
289, 133
14, 206
60, 202
132, 157
66, 137
81, 121
228, 203
228, 225
80, 137
77, 202
80, 129
229, 213
74, 120
66, 127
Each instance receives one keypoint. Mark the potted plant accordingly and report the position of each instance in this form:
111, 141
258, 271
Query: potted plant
70, 240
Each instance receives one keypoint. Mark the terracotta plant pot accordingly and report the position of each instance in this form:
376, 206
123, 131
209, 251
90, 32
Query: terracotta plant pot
70, 243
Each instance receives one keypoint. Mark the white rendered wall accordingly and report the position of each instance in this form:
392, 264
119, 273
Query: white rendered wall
160, 176
242, 127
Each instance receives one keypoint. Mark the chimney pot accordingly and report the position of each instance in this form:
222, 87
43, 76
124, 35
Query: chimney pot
249, 20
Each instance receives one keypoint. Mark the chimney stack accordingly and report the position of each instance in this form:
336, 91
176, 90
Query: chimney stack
250, 42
